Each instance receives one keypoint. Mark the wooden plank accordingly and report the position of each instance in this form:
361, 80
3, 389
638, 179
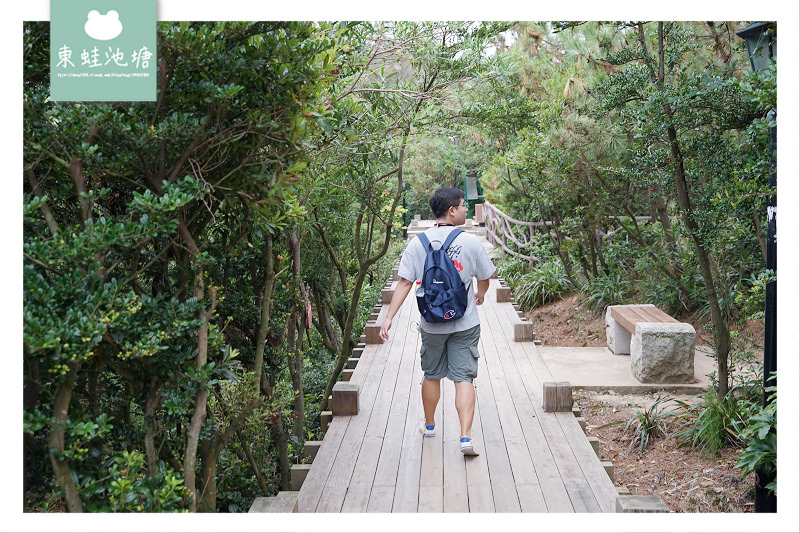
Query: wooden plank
497, 456
625, 318
386, 471
525, 384
344, 464
380, 499
602, 487
654, 314
358, 495
583, 499
310, 493
455, 474
431, 478
406, 495
528, 410
629, 316
479, 487
531, 498
430, 498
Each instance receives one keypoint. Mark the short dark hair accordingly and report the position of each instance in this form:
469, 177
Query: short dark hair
445, 198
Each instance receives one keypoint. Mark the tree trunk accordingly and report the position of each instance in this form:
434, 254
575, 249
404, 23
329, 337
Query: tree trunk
266, 309
297, 332
150, 427
201, 400
721, 331
209, 453
61, 469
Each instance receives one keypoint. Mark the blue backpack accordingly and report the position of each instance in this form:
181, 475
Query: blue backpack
442, 296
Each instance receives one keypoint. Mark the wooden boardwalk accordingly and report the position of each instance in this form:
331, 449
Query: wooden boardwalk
531, 461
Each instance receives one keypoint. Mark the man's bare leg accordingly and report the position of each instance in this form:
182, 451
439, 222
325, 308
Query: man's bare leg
465, 406
431, 390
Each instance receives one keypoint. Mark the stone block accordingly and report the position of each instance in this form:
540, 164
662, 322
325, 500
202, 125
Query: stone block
618, 338
299, 473
609, 468
595, 443
284, 502
557, 396
310, 449
325, 418
663, 352
641, 504
344, 399
523, 332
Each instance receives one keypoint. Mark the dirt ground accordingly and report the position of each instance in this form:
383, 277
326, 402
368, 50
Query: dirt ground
687, 480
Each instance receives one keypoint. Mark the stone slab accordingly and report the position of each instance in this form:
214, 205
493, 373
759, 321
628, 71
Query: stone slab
641, 504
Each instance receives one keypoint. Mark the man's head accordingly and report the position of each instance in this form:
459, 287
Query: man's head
448, 201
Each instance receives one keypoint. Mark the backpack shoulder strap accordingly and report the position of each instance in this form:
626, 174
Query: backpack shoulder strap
423, 239
450, 238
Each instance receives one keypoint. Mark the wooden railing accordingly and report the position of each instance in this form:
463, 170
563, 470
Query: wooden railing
501, 230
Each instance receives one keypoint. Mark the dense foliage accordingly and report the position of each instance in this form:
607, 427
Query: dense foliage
647, 145
197, 269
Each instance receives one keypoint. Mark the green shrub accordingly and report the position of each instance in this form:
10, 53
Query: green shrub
612, 289
545, 284
512, 269
718, 424
646, 426
761, 435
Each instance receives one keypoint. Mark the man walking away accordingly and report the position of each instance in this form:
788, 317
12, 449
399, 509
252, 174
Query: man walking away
449, 348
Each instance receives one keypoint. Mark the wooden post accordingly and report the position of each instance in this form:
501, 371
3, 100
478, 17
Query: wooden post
503, 294
372, 333
523, 331
386, 295
557, 396
344, 399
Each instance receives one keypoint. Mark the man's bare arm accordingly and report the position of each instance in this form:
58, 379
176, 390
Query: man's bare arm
400, 293
483, 286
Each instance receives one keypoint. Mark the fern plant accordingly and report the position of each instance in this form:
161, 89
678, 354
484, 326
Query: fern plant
648, 425
545, 284
612, 289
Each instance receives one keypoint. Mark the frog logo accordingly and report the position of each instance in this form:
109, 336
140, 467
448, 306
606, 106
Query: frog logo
103, 27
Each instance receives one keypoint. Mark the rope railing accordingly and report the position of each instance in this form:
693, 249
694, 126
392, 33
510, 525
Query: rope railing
501, 230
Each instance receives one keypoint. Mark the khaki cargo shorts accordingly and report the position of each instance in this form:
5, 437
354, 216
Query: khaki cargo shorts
451, 355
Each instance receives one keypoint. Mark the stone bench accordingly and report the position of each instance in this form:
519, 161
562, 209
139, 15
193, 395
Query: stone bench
661, 347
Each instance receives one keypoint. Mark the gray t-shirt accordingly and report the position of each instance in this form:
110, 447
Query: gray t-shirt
470, 259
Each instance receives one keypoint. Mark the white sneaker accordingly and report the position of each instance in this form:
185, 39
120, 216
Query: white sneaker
426, 432
467, 447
